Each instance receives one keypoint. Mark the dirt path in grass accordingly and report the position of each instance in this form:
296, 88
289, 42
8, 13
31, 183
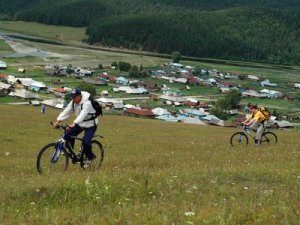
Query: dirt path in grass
22, 50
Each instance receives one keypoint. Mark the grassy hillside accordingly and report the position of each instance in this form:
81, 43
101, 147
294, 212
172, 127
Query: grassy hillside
153, 173
58, 33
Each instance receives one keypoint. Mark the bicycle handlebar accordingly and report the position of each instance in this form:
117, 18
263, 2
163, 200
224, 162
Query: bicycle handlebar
64, 127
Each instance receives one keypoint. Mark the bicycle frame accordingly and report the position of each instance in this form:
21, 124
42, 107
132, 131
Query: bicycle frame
246, 130
61, 144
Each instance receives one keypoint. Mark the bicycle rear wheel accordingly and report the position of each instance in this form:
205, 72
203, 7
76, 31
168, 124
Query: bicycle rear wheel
269, 138
98, 151
238, 139
50, 159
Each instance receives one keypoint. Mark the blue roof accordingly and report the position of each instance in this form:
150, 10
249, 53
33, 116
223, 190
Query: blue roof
168, 118
194, 112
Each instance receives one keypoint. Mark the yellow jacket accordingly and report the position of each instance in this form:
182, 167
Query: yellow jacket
258, 116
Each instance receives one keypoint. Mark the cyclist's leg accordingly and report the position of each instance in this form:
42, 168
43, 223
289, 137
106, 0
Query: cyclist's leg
73, 132
259, 132
254, 126
87, 138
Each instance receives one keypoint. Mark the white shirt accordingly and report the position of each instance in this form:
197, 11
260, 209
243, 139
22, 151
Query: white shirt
83, 111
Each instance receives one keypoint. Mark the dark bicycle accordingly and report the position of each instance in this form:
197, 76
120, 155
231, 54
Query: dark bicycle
241, 138
55, 157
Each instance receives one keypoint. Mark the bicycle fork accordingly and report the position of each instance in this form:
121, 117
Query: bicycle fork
57, 151
241, 136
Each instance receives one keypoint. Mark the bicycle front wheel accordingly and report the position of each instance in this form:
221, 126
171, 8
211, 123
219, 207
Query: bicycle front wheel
269, 138
98, 152
238, 139
51, 160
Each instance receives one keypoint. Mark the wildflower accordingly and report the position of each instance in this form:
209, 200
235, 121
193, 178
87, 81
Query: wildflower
189, 213
246, 188
87, 181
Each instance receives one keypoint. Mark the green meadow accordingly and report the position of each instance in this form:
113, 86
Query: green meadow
71, 35
153, 173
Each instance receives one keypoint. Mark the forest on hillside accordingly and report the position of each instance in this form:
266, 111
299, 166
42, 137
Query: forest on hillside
252, 30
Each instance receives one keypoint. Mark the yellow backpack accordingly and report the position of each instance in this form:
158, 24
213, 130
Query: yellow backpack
265, 112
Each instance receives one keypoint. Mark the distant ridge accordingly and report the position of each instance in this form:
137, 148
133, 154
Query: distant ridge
250, 30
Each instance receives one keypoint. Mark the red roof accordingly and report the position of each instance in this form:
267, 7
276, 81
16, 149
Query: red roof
3, 75
60, 90
189, 103
109, 77
204, 105
140, 112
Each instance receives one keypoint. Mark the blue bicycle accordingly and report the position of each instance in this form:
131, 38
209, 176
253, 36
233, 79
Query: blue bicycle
54, 157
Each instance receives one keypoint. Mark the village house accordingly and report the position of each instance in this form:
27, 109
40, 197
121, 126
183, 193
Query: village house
122, 81
196, 113
37, 86
252, 78
169, 79
95, 81
108, 78
110, 103
5, 89
22, 93
176, 66
181, 80
55, 70
297, 85
191, 80
171, 91
191, 104
252, 93
3, 65
55, 103
268, 84
148, 85
3, 76
271, 93
83, 72
60, 91
139, 112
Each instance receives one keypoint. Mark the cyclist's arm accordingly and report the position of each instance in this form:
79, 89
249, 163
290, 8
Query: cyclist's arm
66, 113
248, 123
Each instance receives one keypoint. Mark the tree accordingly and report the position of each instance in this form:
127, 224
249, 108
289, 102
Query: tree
124, 66
176, 57
141, 67
231, 100
69, 69
88, 88
134, 72
115, 64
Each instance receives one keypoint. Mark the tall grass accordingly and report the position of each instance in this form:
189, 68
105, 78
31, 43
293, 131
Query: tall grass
153, 173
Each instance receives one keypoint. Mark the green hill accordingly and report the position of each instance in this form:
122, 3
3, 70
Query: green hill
153, 173
265, 31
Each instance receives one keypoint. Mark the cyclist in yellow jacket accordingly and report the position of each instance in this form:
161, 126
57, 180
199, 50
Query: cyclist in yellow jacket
256, 122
